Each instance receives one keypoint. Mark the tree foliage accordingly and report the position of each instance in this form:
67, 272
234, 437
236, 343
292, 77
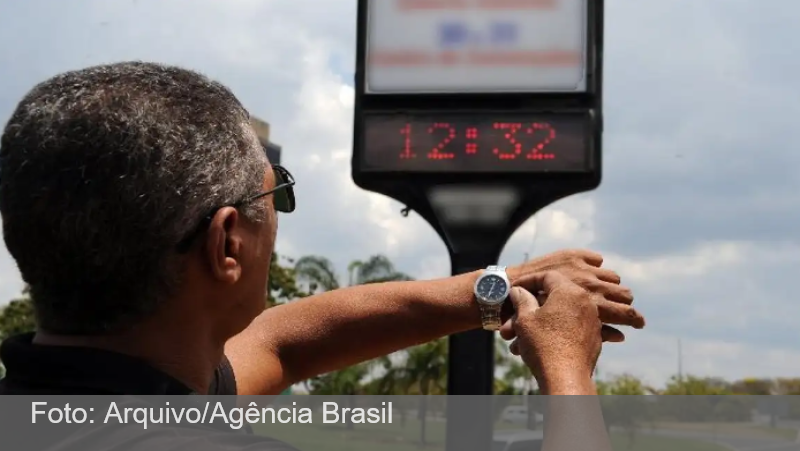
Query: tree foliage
17, 316
282, 282
320, 274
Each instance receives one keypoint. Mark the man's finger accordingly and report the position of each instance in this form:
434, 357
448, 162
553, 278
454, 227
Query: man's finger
619, 314
607, 275
611, 291
507, 330
543, 281
513, 348
611, 334
523, 301
592, 258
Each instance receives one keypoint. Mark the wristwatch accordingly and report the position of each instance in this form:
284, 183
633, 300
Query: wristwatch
491, 290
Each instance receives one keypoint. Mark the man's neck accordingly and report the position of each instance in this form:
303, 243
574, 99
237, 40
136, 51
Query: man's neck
185, 358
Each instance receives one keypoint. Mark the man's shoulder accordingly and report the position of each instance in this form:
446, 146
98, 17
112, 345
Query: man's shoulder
224, 381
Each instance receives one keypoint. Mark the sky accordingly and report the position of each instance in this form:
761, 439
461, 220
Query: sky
699, 205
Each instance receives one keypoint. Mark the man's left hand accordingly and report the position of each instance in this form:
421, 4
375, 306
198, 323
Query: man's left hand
583, 267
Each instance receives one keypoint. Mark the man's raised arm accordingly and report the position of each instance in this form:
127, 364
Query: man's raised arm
329, 331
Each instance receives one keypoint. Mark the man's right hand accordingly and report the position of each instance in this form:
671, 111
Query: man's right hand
561, 340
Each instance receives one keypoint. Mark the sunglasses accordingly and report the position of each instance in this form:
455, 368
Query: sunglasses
283, 191
283, 201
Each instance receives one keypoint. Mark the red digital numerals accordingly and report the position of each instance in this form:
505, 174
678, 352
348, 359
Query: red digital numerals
510, 135
546, 134
406, 152
449, 133
542, 132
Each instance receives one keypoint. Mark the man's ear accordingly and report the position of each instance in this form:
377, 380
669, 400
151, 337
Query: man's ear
223, 248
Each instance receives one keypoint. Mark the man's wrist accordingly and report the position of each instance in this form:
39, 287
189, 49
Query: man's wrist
567, 381
472, 307
454, 299
514, 273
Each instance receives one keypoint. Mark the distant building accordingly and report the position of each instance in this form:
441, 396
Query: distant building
262, 131
273, 153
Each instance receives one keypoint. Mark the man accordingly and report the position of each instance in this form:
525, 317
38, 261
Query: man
141, 210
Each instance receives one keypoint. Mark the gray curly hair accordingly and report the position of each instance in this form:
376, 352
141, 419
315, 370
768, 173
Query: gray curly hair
102, 171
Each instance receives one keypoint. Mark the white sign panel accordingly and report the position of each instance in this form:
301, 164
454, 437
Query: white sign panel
476, 46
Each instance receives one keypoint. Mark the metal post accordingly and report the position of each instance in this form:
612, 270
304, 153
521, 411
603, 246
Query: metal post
470, 372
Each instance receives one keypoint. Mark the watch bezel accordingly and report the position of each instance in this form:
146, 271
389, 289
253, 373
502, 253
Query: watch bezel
486, 273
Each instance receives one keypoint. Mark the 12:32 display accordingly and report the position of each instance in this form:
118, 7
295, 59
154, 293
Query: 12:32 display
476, 143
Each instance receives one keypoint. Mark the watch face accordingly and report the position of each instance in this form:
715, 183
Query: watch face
492, 289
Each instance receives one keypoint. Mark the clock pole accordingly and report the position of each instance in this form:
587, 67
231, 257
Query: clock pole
440, 125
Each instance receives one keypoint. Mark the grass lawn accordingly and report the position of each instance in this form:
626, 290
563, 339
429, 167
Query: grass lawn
394, 437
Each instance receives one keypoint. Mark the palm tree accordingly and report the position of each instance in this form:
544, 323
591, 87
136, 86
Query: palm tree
320, 273
282, 281
426, 367
375, 269
392, 381
424, 371
348, 382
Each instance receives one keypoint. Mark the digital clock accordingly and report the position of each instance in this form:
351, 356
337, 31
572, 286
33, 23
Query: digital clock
477, 142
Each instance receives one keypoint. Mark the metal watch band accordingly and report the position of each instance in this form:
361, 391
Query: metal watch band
490, 314
490, 317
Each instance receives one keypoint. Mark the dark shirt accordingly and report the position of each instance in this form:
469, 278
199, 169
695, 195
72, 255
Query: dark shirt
41, 373
65, 370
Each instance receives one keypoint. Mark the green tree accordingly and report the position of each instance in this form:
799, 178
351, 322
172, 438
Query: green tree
320, 274
391, 382
753, 386
625, 384
692, 385
16, 317
787, 386
375, 269
348, 382
423, 372
626, 406
426, 367
282, 282
701, 402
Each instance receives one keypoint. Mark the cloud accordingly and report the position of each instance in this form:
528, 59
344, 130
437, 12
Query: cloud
699, 126
699, 202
